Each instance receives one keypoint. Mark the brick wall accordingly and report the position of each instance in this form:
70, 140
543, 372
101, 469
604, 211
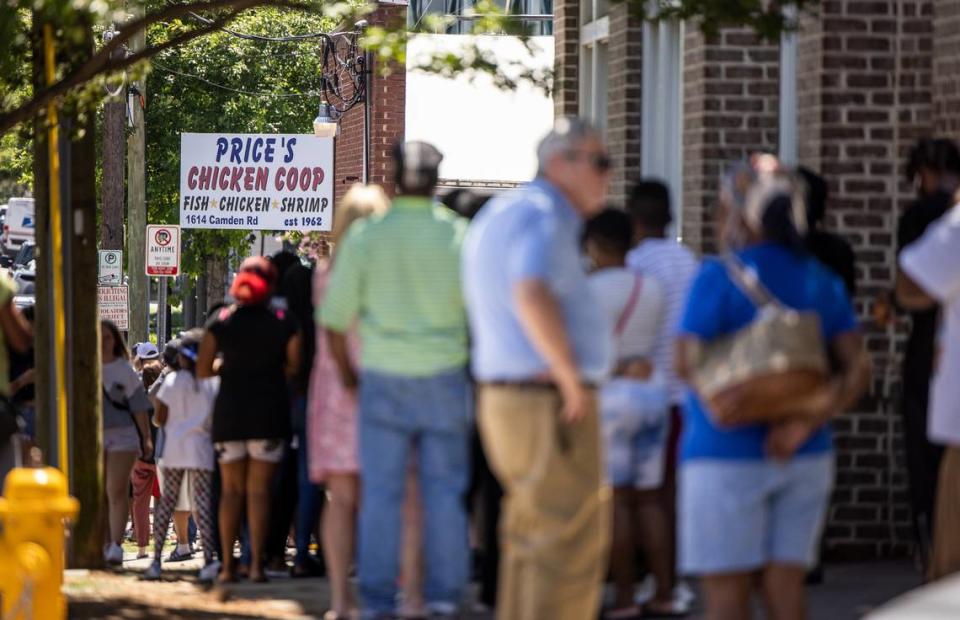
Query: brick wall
566, 41
865, 97
624, 98
946, 67
730, 109
386, 99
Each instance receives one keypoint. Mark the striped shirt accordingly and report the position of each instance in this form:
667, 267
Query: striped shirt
399, 275
674, 266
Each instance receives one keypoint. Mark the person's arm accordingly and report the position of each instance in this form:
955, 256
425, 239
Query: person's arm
206, 356
340, 352
25, 379
142, 420
16, 329
160, 413
930, 267
342, 304
294, 352
844, 390
910, 295
540, 317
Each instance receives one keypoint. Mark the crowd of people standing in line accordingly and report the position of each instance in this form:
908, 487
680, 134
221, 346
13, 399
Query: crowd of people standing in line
541, 362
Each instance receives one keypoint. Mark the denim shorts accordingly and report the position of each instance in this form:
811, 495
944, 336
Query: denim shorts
635, 421
738, 516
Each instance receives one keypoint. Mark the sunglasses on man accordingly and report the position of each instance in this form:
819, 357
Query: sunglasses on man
600, 162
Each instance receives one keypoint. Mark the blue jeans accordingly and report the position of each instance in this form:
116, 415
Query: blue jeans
397, 414
308, 502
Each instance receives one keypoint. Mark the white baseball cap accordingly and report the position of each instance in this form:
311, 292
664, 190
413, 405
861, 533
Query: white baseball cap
147, 351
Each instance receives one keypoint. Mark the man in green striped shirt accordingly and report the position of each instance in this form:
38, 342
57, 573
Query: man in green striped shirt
399, 275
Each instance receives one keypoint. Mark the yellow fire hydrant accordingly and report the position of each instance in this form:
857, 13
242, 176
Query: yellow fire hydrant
33, 512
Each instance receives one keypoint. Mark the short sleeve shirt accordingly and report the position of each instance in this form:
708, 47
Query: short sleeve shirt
530, 234
253, 402
716, 307
124, 394
920, 350
398, 274
189, 404
933, 262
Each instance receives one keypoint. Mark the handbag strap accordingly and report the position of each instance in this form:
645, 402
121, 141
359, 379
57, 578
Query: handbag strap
749, 282
125, 406
631, 305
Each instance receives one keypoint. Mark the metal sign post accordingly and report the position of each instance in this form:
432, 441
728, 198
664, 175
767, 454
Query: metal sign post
162, 313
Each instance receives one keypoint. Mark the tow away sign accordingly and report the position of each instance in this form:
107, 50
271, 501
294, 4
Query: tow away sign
163, 250
112, 301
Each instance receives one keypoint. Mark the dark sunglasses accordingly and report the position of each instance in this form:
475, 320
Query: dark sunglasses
601, 162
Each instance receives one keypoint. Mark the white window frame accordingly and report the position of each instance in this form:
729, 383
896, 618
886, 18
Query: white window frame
662, 110
594, 61
789, 146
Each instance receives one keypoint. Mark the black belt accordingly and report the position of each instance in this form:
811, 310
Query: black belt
531, 384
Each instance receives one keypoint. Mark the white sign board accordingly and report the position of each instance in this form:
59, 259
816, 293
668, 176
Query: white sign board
256, 181
112, 301
163, 250
111, 267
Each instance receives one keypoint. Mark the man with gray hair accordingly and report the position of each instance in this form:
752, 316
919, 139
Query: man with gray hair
539, 352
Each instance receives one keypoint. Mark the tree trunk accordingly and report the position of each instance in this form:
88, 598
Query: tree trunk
84, 360
189, 294
82, 316
111, 223
43, 332
202, 299
137, 204
216, 279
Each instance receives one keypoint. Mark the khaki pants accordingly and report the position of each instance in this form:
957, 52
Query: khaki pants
946, 534
555, 524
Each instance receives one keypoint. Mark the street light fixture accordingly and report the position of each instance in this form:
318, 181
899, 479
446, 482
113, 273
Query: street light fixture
326, 125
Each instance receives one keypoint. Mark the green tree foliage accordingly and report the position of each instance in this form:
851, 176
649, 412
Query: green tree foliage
221, 83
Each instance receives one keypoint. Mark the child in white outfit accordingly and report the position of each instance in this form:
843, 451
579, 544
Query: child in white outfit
184, 410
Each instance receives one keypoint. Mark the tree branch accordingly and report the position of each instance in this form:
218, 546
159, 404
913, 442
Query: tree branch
101, 62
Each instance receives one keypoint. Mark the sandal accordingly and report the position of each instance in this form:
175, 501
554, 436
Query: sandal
669, 611
176, 556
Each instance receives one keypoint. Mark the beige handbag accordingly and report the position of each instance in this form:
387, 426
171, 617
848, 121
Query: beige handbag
769, 365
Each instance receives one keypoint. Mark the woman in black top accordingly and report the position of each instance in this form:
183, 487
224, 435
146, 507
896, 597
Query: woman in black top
260, 349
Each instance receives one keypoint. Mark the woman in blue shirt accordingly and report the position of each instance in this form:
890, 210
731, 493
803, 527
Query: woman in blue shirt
753, 498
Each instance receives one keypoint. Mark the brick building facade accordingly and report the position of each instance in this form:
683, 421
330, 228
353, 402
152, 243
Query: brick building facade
871, 78
386, 101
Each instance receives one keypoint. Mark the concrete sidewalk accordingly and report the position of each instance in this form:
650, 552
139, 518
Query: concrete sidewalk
849, 592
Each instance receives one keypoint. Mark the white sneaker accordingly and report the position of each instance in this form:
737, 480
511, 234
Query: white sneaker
153, 573
208, 574
683, 594
113, 554
646, 591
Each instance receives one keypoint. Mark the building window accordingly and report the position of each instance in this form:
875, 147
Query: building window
789, 148
535, 16
594, 61
662, 122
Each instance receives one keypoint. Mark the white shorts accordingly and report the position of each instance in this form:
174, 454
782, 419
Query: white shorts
635, 425
266, 450
185, 501
121, 439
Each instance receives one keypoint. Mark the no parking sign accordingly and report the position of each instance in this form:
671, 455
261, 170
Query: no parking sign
163, 250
